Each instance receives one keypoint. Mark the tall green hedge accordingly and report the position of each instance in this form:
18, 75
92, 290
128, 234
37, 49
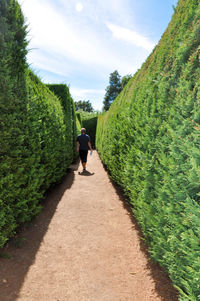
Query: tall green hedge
37, 129
12, 112
78, 115
62, 92
89, 121
150, 139
90, 125
49, 121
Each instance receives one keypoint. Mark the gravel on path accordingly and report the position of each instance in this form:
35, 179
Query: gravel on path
84, 246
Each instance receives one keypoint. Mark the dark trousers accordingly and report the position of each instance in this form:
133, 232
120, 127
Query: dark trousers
83, 155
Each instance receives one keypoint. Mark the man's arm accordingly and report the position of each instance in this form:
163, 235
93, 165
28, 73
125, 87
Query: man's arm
77, 146
90, 146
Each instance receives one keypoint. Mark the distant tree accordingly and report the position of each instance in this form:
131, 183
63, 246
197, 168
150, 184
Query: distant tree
125, 80
112, 90
116, 85
84, 105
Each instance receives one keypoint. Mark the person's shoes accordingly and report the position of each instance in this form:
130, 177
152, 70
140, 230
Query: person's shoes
84, 169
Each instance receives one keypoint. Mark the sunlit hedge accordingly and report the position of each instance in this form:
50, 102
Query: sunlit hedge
62, 92
150, 140
12, 112
37, 129
78, 115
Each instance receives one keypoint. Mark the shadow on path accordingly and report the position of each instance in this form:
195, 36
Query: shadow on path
163, 284
86, 173
23, 248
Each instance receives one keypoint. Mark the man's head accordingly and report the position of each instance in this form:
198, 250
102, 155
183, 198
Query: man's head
83, 131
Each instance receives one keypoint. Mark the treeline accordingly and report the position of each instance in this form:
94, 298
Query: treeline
150, 139
37, 128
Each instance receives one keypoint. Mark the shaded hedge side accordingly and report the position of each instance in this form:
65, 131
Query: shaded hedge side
37, 129
150, 140
89, 121
76, 129
90, 124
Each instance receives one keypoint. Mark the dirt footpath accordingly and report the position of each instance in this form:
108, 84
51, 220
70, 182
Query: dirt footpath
85, 246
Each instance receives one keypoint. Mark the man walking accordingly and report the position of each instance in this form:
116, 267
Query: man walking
83, 144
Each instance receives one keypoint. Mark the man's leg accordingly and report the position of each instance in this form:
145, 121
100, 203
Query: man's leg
84, 161
83, 157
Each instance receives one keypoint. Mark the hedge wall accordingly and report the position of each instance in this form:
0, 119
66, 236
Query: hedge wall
90, 125
78, 115
89, 121
150, 139
36, 128
13, 112
62, 92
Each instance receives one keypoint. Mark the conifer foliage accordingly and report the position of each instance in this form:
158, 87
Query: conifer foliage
113, 89
67, 103
36, 128
149, 140
90, 123
13, 111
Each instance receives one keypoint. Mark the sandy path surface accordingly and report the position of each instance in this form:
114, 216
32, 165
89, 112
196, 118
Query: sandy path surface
85, 246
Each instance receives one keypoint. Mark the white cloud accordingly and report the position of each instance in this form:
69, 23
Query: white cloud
84, 93
79, 47
130, 36
54, 34
95, 96
79, 7
66, 43
47, 61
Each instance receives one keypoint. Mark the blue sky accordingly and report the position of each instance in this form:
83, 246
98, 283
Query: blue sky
80, 42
